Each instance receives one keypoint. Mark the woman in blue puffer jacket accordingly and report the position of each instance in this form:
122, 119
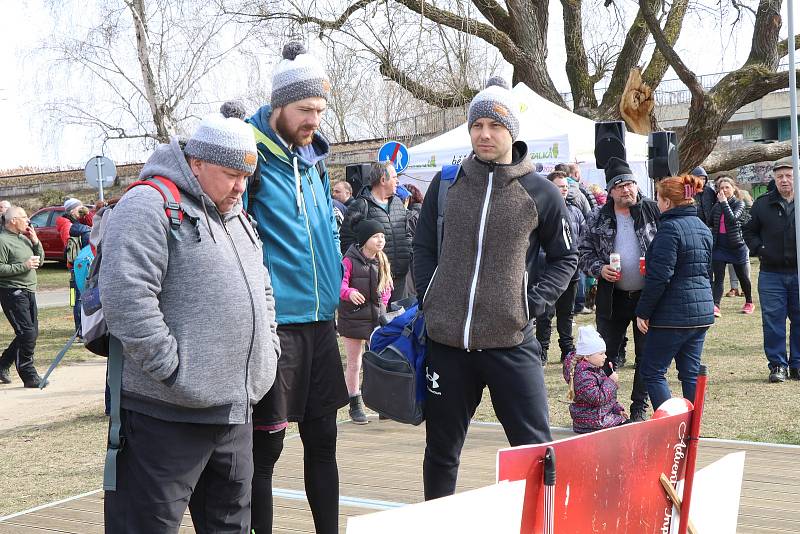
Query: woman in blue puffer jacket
676, 306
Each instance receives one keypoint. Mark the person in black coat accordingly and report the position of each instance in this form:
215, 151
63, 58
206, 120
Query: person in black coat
771, 235
378, 202
676, 307
726, 220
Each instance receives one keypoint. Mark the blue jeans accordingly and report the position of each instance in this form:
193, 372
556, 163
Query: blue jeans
779, 300
661, 346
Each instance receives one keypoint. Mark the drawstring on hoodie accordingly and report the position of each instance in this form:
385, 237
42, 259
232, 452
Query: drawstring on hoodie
203, 198
247, 230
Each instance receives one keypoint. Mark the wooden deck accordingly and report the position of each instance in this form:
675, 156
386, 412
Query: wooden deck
380, 466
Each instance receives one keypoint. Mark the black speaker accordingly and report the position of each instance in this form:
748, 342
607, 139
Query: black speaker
609, 142
662, 155
357, 176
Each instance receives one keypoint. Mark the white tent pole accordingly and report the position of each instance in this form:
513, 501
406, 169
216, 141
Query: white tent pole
793, 123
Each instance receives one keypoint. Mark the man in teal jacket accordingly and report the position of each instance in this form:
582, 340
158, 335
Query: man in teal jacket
290, 200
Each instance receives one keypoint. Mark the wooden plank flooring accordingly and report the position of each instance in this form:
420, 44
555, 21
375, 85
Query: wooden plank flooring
381, 464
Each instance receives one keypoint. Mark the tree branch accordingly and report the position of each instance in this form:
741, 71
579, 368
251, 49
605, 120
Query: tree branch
725, 160
494, 13
658, 65
628, 58
764, 47
577, 66
783, 46
422, 92
684, 73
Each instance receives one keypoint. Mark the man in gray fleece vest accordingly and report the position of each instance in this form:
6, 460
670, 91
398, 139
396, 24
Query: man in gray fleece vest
481, 291
194, 311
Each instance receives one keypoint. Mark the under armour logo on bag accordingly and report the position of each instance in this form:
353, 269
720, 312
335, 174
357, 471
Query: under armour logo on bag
433, 380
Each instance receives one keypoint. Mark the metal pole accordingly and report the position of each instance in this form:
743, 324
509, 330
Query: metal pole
99, 161
793, 121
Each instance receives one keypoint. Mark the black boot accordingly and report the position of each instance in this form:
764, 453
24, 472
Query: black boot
5, 377
34, 381
357, 414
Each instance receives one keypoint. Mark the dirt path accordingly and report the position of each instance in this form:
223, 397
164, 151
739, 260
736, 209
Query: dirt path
73, 389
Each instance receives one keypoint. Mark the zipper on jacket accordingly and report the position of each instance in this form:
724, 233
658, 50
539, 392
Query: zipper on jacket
474, 285
313, 261
428, 289
525, 295
253, 325
311, 185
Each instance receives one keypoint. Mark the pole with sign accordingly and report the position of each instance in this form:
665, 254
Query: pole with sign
100, 172
396, 152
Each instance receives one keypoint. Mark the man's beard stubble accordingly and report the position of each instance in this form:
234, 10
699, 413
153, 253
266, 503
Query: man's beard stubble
294, 138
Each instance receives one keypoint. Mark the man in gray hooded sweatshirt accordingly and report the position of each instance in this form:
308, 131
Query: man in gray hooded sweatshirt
194, 311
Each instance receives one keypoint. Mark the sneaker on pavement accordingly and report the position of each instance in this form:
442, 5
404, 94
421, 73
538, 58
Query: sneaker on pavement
5, 376
717, 312
586, 311
777, 373
35, 382
748, 308
794, 373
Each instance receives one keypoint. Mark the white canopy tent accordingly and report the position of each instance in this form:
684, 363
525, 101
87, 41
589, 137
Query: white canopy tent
553, 135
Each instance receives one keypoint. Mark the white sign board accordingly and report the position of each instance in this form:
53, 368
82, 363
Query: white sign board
97, 167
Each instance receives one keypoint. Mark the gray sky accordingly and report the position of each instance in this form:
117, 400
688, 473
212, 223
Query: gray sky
25, 22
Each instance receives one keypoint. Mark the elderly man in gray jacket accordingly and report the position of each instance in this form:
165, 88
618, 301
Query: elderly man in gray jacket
194, 312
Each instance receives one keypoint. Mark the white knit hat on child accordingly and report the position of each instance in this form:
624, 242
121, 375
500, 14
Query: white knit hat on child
589, 341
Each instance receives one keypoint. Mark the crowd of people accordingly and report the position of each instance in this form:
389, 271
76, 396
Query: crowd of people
229, 312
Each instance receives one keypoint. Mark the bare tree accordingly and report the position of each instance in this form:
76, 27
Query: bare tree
518, 29
147, 68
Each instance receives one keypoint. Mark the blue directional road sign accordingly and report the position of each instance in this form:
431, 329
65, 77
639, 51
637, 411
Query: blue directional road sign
396, 152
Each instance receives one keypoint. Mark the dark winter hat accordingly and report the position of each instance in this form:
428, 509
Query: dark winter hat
224, 139
498, 103
299, 75
783, 163
699, 171
366, 229
617, 172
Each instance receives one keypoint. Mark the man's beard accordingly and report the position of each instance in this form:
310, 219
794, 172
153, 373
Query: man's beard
294, 138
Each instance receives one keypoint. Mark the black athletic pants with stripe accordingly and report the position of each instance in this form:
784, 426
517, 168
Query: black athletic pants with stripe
19, 307
456, 379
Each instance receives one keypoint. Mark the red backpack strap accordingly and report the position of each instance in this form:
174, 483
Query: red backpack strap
169, 192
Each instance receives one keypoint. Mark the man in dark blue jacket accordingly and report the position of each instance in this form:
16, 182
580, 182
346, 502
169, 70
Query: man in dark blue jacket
771, 235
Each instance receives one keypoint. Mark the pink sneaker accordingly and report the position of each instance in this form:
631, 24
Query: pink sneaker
717, 313
748, 308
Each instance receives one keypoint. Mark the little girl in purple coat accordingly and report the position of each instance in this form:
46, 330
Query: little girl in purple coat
593, 394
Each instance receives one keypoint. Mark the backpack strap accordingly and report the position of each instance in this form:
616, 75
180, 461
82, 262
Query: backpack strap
115, 439
172, 200
447, 178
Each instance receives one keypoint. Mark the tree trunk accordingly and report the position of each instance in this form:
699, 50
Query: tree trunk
157, 107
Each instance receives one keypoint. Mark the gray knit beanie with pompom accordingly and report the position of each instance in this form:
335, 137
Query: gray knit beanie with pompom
224, 139
299, 75
498, 103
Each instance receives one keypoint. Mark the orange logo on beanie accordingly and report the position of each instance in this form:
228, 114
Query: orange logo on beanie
326, 86
500, 110
250, 158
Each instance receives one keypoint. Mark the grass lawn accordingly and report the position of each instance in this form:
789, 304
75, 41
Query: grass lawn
52, 275
65, 458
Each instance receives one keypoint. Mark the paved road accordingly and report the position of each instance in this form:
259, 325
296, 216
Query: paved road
52, 298
73, 389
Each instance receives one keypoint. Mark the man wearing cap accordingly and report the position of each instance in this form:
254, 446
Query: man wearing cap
771, 235
381, 201
625, 225
290, 198
194, 312
481, 288
705, 199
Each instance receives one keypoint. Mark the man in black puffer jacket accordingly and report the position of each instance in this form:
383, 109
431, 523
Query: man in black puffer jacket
378, 202
771, 235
